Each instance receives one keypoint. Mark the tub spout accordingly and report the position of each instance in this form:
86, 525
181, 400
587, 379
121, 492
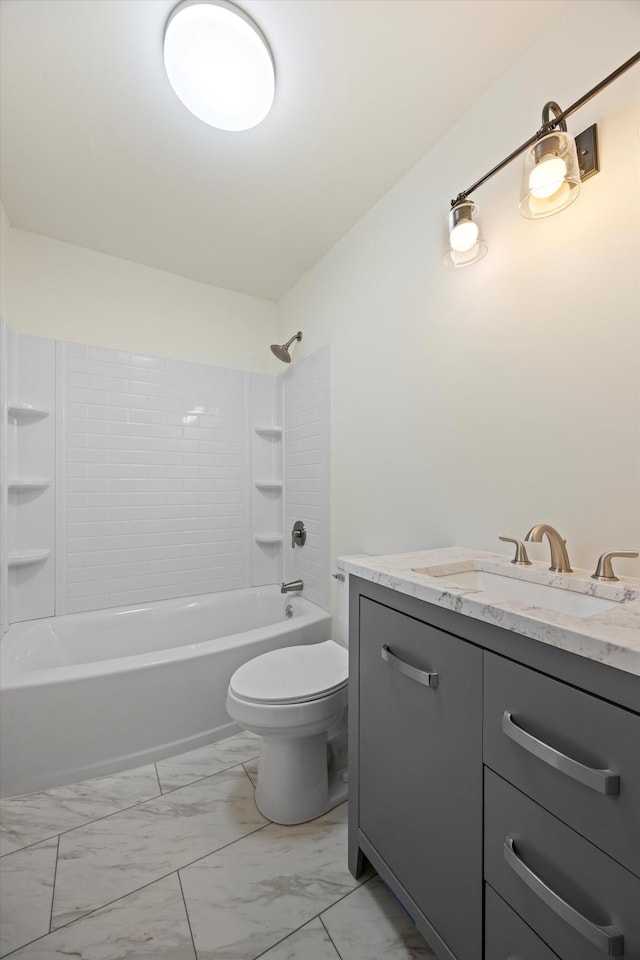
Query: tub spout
291, 586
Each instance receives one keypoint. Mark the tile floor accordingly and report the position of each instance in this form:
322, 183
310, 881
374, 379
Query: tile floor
173, 861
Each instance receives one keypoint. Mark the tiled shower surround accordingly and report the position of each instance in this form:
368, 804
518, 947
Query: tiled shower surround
157, 478
158, 486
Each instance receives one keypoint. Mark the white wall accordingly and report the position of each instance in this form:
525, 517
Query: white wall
67, 292
4, 258
472, 403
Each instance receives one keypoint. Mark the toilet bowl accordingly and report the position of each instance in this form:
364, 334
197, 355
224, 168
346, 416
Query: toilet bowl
296, 700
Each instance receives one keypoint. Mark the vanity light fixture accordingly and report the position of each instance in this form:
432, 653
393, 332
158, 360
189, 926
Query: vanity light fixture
551, 174
219, 64
554, 167
465, 243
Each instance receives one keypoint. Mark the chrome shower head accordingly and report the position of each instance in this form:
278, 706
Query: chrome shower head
281, 351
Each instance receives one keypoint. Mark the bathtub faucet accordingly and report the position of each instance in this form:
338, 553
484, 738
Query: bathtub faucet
291, 586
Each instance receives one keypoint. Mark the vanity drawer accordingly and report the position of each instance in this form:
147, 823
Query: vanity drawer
581, 903
508, 937
565, 749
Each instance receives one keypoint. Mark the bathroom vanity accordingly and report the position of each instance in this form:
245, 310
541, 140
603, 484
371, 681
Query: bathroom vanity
495, 753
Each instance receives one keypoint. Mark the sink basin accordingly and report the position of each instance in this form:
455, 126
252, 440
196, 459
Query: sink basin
536, 594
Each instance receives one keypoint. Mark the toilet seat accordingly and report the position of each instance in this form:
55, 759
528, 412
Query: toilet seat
292, 675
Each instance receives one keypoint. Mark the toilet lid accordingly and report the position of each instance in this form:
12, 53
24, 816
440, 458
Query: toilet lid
293, 674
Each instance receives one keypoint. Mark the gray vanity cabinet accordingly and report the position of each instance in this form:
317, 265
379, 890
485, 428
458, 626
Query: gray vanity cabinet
420, 768
433, 696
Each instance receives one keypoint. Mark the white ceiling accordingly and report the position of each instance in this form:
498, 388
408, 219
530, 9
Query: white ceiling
97, 150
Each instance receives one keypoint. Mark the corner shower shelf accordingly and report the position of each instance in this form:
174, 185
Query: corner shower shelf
24, 484
269, 485
269, 539
26, 411
24, 558
272, 433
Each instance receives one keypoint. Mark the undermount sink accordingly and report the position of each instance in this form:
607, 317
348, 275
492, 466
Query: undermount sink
537, 594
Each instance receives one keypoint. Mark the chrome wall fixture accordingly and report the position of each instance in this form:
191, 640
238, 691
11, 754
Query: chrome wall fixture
281, 350
554, 166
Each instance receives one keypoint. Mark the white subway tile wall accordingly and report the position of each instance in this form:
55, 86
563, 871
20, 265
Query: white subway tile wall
157, 478
306, 471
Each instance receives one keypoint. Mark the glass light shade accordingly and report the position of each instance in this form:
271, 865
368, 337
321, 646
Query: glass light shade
550, 176
465, 244
219, 64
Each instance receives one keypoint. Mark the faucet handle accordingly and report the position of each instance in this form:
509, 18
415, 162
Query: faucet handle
604, 569
520, 557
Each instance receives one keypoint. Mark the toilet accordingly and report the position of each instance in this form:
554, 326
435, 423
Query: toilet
295, 698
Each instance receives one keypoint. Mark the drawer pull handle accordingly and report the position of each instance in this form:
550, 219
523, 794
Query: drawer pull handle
427, 679
607, 939
604, 781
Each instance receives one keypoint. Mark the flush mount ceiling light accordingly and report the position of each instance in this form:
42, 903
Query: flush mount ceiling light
219, 64
554, 166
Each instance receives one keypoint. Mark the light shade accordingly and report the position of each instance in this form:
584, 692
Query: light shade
219, 64
550, 176
465, 244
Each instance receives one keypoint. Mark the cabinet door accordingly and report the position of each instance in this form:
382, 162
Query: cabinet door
420, 767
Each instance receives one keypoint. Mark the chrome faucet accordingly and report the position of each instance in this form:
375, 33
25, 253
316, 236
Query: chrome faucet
291, 586
559, 556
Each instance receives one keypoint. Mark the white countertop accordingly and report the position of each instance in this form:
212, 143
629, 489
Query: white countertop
611, 637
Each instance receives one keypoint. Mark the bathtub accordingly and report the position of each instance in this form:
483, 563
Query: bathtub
88, 694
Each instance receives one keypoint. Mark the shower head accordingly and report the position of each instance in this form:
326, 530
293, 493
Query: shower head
281, 351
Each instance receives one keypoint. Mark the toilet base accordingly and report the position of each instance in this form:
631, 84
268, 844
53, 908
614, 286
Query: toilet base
295, 783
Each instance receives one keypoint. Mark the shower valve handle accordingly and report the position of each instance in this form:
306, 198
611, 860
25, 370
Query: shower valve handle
298, 534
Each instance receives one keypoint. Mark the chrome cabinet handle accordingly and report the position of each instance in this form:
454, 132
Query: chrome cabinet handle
603, 781
607, 939
427, 679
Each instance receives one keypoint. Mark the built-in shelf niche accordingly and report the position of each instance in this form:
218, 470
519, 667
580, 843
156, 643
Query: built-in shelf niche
26, 484
25, 558
29, 370
26, 411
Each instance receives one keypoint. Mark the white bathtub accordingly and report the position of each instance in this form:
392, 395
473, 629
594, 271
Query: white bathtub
88, 694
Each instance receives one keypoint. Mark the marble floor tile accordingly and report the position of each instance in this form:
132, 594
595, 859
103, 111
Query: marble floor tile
251, 769
312, 942
370, 924
244, 899
26, 889
36, 816
112, 857
148, 925
188, 767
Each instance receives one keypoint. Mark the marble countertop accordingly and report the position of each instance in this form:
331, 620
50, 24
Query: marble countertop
611, 637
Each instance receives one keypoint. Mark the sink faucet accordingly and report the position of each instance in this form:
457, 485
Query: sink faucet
559, 556
292, 586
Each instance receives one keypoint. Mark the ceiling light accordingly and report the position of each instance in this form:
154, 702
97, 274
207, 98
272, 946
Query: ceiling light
219, 64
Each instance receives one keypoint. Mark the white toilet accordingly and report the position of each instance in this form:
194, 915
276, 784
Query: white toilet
295, 698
